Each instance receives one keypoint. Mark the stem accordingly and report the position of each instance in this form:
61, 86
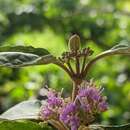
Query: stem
57, 125
74, 91
69, 65
64, 68
77, 66
88, 66
83, 66
63, 125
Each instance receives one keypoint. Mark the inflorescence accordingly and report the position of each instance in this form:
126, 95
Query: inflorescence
88, 102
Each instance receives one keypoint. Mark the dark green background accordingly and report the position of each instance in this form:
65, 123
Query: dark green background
101, 24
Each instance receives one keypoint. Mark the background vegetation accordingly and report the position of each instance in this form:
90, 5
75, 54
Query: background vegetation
49, 23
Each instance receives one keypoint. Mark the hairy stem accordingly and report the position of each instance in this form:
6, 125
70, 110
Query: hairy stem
63, 125
70, 67
83, 65
57, 125
77, 66
61, 65
74, 91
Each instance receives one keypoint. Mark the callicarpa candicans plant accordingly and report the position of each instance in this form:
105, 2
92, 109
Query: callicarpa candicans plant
75, 112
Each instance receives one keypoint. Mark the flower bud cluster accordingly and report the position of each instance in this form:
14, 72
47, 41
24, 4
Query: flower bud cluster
79, 53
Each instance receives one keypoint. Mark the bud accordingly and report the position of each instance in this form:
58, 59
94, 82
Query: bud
74, 43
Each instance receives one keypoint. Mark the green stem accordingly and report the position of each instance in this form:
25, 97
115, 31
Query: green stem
74, 91
61, 65
69, 65
83, 65
77, 66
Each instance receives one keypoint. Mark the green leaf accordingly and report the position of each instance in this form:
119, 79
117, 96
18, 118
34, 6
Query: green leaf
19, 56
22, 125
25, 110
117, 127
121, 49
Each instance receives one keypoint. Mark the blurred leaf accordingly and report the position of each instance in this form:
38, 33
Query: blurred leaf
101, 127
22, 125
24, 110
20, 56
122, 49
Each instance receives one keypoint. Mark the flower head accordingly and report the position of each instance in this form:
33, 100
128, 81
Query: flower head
74, 122
54, 99
69, 117
54, 103
103, 106
91, 100
67, 111
46, 112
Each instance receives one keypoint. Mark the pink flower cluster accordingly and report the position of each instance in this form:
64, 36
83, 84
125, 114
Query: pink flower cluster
69, 117
51, 109
88, 102
91, 99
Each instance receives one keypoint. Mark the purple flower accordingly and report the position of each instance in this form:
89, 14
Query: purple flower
103, 106
68, 116
54, 102
67, 111
46, 112
69, 108
91, 99
54, 99
86, 107
90, 92
88, 102
74, 123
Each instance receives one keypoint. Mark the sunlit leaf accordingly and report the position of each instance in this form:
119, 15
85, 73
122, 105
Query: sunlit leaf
121, 49
20, 56
118, 127
25, 110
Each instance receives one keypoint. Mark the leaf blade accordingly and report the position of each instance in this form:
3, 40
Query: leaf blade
25, 110
20, 56
29, 49
121, 49
113, 127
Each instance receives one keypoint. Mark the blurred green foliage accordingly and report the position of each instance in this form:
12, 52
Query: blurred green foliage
49, 23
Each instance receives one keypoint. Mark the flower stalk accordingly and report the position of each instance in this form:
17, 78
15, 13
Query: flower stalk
86, 99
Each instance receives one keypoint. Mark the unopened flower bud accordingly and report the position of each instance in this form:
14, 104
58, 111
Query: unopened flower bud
74, 43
